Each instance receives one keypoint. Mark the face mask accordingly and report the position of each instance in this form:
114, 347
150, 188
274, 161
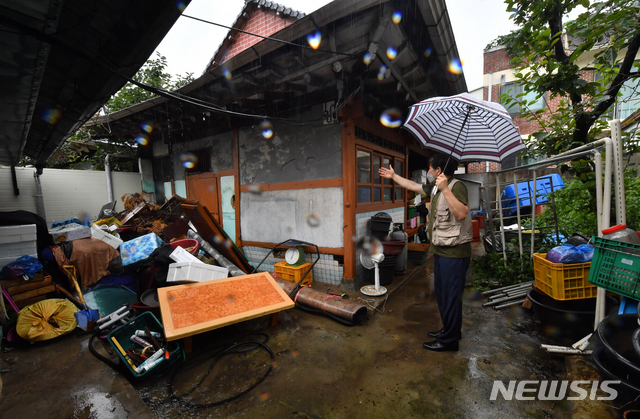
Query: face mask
430, 179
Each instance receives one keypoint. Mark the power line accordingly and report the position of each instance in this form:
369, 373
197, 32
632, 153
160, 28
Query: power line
268, 37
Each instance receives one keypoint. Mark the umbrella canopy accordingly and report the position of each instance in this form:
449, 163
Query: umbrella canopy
465, 128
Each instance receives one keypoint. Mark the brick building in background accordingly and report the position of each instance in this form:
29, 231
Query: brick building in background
499, 78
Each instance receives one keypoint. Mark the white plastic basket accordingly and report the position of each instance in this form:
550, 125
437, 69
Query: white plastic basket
98, 233
195, 272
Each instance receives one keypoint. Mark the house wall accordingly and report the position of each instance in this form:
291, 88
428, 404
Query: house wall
220, 146
66, 193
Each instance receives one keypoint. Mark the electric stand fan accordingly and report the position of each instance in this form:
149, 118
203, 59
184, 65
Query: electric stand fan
371, 261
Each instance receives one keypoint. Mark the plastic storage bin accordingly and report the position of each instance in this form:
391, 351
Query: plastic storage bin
294, 273
543, 188
17, 241
123, 336
195, 272
562, 281
616, 267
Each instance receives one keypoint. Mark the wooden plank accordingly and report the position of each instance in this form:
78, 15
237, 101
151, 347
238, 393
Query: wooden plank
7, 283
33, 293
418, 247
349, 191
285, 186
190, 309
18, 289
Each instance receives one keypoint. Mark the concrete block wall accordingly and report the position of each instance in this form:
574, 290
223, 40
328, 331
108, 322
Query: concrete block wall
262, 22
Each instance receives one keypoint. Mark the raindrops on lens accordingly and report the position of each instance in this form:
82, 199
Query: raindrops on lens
314, 39
147, 127
227, 74
397, 17
313, 220
189, 160
51, 116
391, 118
427, 52
391, 53
254, 189
455, 67
266, 127
367, 58
382, 72
181, 6
142, 139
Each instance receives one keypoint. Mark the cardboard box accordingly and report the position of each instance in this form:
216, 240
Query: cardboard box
17, 241
70, 232
139, 248
195, 272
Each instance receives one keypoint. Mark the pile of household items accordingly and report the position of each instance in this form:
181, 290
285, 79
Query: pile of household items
142, 279
564, 299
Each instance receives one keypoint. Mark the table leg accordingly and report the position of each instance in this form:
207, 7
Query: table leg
274, 319
188, 344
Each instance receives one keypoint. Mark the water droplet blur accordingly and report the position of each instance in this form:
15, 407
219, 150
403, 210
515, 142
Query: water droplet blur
189, 160
455, 67
391, 118
313, 220
295, 353
218, 239
264, 396
181, 6
147, 127
212, 188
397, 17
391, 53
51, 116
228, 243
267, 129
382, 72
368, 246
354, 238
254, 188
227, 74
142, 139
427, 52
314, 39
367, 58
230, 299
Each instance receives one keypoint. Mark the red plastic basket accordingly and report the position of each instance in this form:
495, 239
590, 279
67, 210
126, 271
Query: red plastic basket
190, 245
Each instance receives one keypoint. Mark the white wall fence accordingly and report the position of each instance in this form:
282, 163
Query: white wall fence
67, 193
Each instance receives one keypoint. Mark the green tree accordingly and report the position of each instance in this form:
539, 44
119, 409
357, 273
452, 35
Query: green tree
545, 63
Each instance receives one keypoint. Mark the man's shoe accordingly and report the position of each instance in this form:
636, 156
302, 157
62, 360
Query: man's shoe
435, 334
441, 347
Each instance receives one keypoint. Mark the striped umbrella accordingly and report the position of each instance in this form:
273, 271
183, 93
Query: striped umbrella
465, 128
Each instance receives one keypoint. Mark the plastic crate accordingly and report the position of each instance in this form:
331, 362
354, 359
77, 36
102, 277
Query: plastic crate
616, 267
195, 272
294, 273
123, 336
562, 281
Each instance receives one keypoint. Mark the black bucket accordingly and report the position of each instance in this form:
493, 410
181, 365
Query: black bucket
565, 322
616, 333
612, 369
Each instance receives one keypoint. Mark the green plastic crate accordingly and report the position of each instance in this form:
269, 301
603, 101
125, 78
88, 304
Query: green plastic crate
123, 336
616, 267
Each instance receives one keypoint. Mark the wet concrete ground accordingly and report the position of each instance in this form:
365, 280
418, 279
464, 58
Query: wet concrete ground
321, 369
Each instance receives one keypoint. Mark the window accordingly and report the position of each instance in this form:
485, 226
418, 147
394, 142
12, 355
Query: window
373, 188
516, 92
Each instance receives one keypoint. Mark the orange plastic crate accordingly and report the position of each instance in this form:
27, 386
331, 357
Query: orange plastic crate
294, 273
562, 281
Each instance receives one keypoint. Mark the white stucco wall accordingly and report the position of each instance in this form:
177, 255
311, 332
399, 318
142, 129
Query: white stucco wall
276, 216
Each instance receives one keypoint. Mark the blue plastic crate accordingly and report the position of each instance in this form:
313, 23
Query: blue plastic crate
543, 187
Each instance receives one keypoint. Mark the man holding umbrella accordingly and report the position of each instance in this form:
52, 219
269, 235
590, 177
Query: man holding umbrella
449, 231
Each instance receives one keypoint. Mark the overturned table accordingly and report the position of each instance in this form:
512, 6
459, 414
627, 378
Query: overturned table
195, 308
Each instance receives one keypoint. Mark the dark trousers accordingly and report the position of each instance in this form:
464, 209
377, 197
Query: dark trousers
450, 275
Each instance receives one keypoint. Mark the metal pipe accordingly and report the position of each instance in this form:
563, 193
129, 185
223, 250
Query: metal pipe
513, 303
507, 287
605, 223
533, 210
504, 246
616, 137
39, 197
107, 172
515, 185
597, 157
555, 213
501, 300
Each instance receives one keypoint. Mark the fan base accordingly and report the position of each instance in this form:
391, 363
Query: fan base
371, 291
